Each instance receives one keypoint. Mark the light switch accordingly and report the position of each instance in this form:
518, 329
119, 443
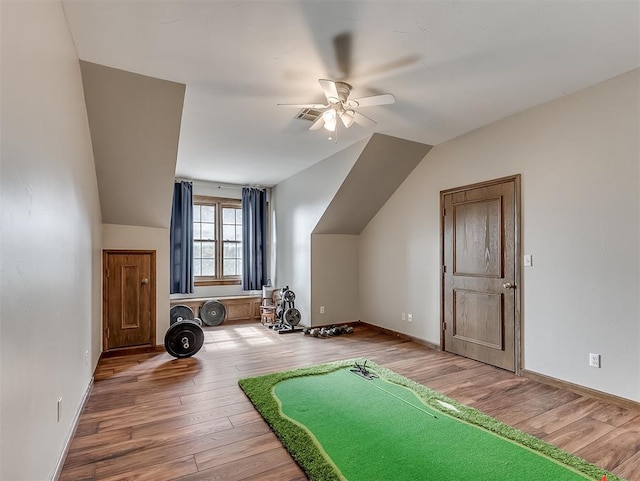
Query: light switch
528, 260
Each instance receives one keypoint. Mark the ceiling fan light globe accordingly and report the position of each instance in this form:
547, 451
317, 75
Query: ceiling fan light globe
329, 115
330, 125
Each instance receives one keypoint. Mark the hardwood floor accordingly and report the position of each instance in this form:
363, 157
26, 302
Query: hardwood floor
152, 417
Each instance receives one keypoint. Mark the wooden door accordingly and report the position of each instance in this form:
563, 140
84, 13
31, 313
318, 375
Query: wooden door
480, 272
129, 298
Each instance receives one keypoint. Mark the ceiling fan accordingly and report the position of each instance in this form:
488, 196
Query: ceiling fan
340, 106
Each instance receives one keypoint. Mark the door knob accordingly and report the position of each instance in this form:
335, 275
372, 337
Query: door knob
508, 285
145, 281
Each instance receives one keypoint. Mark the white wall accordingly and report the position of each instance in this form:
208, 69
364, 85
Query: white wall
146, 238
135, 127
334, 279
50, 240
298, 203
579, 159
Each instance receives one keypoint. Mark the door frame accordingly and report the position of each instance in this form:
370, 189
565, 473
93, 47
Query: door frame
105, 297
518, 341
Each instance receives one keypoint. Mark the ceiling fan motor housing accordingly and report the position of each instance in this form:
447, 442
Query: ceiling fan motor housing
343, 89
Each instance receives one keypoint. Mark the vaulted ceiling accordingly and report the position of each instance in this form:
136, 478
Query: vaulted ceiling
452, 66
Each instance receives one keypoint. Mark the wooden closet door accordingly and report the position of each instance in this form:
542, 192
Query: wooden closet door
479, 272
129, 298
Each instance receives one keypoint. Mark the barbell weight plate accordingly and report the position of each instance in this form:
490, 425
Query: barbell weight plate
184, 339
180, 313
213, 313
291, 316
289, 296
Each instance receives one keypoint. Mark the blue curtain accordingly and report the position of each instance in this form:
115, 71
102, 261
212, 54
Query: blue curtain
254, 239
181, 239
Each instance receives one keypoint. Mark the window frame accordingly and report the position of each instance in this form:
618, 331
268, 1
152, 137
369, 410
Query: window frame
219, 203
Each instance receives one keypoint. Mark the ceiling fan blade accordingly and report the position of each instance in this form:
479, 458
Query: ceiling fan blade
342, 45
329, 89
395, 68
383, 99
305, 106
347, 118
318, 123
363, 120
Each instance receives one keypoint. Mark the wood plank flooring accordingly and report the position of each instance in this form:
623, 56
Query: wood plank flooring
152, 417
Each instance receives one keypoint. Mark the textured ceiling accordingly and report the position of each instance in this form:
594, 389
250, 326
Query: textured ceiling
452, 66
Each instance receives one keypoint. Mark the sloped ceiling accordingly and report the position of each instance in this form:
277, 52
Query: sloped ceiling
453, 66
135, 126
382, 166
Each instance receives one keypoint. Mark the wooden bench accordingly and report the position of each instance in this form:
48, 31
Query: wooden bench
238, 307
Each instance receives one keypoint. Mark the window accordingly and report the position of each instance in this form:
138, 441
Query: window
217, 241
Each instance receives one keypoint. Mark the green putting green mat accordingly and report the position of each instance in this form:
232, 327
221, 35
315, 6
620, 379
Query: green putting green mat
339, 425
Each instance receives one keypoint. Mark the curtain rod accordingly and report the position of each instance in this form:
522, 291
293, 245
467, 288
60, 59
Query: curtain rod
221, 184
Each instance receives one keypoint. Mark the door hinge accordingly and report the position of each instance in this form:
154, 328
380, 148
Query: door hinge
444, 326
107, 272
444, 212
444, 269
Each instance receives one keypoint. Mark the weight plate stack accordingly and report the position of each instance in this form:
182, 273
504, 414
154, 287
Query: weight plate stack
184, 339
289, 296
180, 313
213, 313
291, 316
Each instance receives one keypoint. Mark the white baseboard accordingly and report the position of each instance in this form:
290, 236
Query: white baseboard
72, 431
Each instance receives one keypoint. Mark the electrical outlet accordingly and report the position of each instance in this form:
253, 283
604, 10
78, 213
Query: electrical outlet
59, 410
410, 317
321, 309
528, 260
404, 316
594, 360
